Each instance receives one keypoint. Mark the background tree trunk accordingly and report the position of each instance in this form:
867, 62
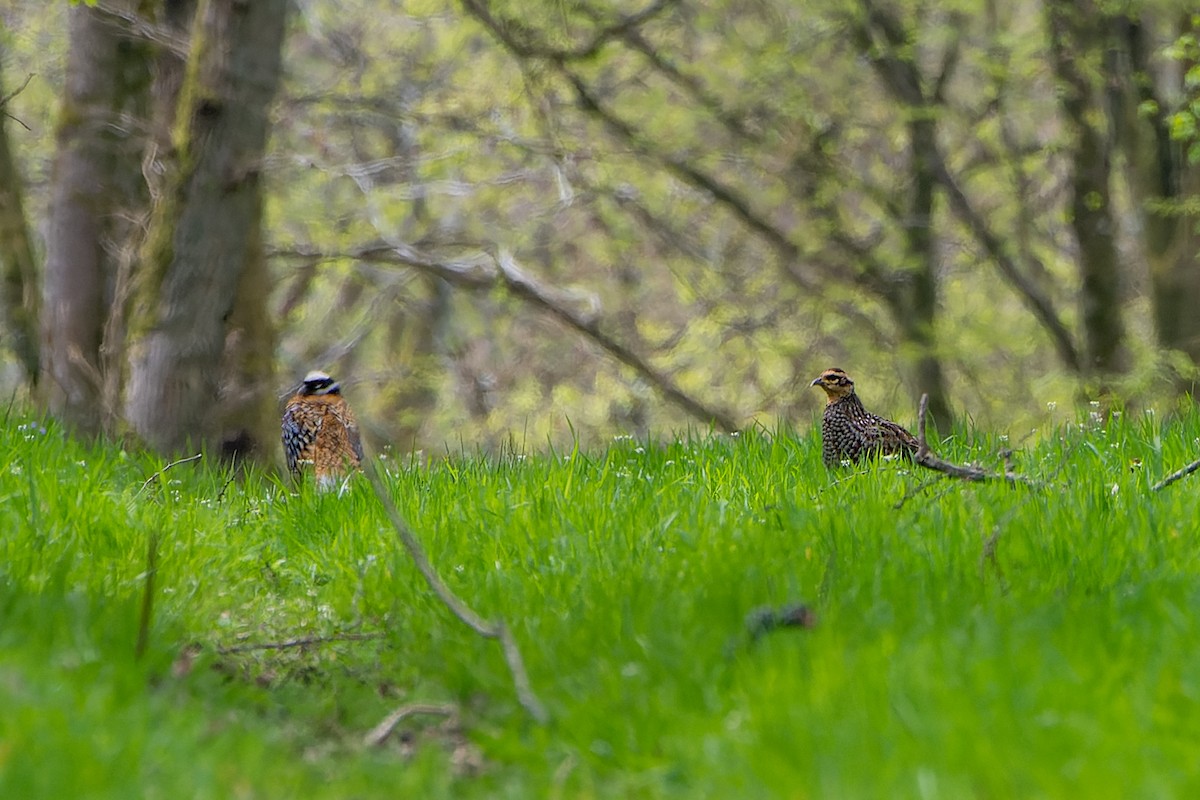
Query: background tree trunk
19, 280
1160, 179
204, 232
97, 195
917, 327
248, 425
1078, 33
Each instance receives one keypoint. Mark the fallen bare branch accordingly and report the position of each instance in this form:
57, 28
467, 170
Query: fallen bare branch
925, 457
379, 734
302, 642
486, 629
1176, 475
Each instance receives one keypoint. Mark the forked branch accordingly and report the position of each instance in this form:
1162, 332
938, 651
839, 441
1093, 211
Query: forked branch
488, 630
931, 460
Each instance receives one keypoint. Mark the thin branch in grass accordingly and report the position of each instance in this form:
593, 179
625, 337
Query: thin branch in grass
147, 613
158, 474
925, 457
488, 630
988, 556
916, 490
1176, 475
302, 642
379, 734
12, 399
225, 486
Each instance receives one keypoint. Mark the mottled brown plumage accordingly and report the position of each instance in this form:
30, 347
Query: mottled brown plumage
319, 429
851, 433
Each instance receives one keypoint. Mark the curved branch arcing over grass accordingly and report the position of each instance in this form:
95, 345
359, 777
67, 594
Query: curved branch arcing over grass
488, 630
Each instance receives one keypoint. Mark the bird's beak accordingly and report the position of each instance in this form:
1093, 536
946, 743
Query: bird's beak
816, 382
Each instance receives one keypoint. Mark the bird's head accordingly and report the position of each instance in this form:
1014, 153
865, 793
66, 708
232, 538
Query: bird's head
317, 382
836, 383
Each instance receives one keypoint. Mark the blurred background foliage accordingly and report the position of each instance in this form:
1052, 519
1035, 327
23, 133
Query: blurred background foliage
733, 195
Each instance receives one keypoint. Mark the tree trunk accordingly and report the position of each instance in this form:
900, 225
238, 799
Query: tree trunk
1161, 180
1077, 39
249, 421
918, 317
19, 287
204, 230
97, 191
911, 293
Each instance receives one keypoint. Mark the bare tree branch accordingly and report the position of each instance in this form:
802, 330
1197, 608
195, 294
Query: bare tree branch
4, 100
727, 196
135, 26
159, 474
305, 641
526, 43
930, 460
900, 75
484, 271
1177, 475
488, 630
523, 286
379, 734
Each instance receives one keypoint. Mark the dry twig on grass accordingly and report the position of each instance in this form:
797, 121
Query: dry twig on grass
488, 630
1176, 475
925, 457
302, 642
158, 474
988, 556
379, 734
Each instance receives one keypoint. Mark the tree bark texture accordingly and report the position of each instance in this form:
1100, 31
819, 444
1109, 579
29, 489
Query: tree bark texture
911, 291
97, 191
19, 281
1078, 34
1160, 179
204, 230
248, 424
917, 315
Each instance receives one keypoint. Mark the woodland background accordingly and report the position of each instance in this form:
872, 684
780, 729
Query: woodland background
507, 222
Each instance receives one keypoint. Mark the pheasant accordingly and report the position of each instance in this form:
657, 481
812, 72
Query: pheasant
851, 433
319, 429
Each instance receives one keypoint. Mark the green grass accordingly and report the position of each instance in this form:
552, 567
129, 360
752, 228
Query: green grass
1068, 667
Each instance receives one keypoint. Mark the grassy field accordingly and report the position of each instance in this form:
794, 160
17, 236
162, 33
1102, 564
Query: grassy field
1066, 666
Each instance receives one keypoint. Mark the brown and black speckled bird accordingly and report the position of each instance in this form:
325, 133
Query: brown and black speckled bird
851, 433
319, 429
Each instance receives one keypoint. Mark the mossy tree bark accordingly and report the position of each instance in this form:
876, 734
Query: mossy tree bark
19, 281
97, 196
202, 246
248, 424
